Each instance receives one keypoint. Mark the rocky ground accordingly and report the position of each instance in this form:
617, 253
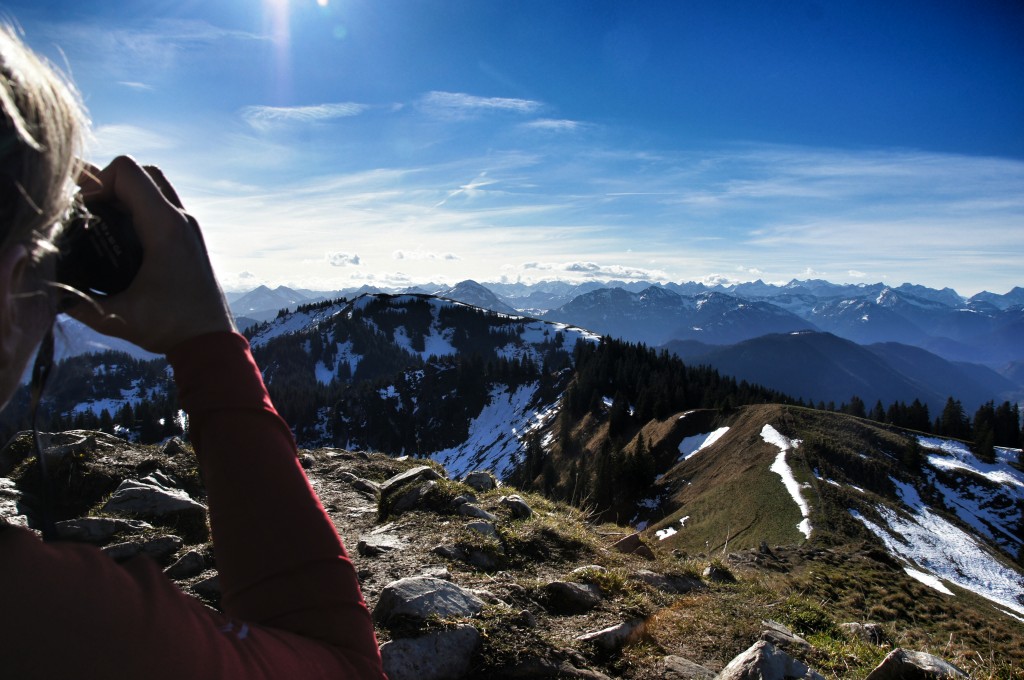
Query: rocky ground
465, 578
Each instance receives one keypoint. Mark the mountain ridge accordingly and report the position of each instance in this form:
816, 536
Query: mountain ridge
980, 329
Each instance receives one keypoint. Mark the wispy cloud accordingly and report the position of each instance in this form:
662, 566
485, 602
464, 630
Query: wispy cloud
342, 259
594, 270
266, 117
459, 105
470, 189
423, 255
121, 52
553, 125
602, 209
131, 85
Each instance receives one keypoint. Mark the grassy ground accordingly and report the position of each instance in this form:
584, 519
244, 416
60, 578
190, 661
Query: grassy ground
821, 589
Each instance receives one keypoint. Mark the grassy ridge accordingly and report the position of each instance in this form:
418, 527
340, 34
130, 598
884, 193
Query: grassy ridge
842, 574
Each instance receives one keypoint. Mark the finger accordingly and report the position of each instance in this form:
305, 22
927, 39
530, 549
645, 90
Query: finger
127, 183
198, 233
88, 179
157, 175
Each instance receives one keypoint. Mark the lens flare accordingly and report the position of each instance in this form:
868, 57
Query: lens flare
276, 18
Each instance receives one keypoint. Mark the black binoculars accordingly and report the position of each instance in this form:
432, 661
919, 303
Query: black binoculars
98, 252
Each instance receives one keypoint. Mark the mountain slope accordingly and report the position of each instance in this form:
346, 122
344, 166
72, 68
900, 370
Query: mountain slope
950, 520
657, 315
822, 367
472, 293
416, 374
538, 577
263, 303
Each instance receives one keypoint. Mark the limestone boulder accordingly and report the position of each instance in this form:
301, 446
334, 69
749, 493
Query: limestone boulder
192, 563
422, 473
614, 637
567, 597
98, 529
481, 480
519, 508
151, 497
441, 655
903, 664
765, 661
419, 597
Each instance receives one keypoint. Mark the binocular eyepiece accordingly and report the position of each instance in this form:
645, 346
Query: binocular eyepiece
99, 252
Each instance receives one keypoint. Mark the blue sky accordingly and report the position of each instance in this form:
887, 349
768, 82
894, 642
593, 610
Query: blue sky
394, 142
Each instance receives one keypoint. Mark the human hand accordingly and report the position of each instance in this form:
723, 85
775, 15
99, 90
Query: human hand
175, 295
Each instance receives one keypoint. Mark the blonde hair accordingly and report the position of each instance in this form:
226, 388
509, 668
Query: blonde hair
42, 129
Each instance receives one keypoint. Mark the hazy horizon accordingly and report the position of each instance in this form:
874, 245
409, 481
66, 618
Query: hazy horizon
710, 282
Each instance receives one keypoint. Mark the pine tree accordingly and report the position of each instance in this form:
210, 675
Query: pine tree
984, 432
953, 421
855, 407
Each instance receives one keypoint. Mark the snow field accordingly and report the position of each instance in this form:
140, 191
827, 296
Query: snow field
942, 550
986, 495
492, 443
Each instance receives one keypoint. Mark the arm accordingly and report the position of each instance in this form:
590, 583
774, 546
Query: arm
281, 562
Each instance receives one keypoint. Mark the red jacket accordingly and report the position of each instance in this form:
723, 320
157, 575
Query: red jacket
291, 602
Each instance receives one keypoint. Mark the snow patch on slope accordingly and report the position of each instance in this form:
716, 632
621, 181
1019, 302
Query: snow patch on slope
691, 446
944, 551
782, 469
494, 435
294, 323
987, 496
955, 455
668, 531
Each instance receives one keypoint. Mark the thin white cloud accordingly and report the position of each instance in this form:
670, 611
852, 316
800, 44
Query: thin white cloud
423, 255
553, 125
123, 53
712, 280
594, 270
342, 259
132, 85
469, 190
265, 117
459, 105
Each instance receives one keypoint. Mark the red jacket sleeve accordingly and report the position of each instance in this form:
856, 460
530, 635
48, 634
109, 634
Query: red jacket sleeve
292, 605
280, 559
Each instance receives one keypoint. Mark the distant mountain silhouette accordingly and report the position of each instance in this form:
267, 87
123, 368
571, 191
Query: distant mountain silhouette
819, 366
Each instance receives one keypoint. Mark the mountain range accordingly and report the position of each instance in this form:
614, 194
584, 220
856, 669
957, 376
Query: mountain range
811, 339
984, 328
